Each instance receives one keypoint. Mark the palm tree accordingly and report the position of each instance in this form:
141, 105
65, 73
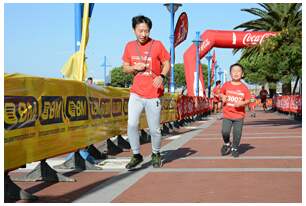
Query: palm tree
284, 50
277, 17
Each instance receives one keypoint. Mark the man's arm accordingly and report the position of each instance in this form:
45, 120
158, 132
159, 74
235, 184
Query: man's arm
158, 80
127, 68
165, 67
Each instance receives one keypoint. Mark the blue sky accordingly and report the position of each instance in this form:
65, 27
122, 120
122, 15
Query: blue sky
39, 38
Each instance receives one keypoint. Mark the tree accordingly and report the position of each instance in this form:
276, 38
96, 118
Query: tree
278, 58
119, 78
179, 76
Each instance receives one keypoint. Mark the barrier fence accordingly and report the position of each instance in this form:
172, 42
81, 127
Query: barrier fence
45, 117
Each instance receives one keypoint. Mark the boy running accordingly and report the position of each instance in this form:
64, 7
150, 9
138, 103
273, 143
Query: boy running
235, 96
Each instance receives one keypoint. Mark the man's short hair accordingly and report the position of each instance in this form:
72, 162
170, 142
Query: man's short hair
141, 19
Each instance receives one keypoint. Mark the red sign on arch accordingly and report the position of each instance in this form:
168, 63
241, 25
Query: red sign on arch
181, 29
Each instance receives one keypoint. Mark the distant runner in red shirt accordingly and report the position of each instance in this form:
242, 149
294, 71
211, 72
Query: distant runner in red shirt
252, 104
263, 96
217, 99
235, 96
148, 60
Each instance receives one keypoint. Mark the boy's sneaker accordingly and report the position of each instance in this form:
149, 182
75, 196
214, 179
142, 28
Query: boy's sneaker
156, 160
226, 149
235, 152
135, 160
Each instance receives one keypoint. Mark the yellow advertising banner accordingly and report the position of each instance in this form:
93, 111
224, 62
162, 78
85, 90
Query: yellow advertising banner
46, 117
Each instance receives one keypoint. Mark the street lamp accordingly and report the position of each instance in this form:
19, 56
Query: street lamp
208, 57
172, 8
216, 69
197, 42
220, 75
105, 65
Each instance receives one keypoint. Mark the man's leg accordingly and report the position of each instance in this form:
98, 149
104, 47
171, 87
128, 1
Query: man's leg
135, 108
153, 108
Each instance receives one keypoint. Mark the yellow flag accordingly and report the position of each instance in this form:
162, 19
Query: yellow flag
75, 68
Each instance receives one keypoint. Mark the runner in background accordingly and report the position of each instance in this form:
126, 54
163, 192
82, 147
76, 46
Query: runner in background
252, 104
217, 99
263, 97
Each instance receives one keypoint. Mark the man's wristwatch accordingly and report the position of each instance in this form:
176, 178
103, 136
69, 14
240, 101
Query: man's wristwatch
163, 76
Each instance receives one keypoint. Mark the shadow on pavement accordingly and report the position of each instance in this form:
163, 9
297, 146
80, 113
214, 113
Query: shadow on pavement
170, 155
243, 148
275, 122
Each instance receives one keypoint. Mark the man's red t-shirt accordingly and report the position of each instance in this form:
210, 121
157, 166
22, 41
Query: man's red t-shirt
216, 92
153, 54
263, 94
234, 93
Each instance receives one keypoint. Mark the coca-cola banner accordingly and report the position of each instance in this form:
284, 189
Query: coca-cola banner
220, 39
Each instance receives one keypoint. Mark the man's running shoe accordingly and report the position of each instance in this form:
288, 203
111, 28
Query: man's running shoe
135, 160
156, 160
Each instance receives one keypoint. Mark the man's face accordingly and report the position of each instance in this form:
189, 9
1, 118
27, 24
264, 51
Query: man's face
142, 32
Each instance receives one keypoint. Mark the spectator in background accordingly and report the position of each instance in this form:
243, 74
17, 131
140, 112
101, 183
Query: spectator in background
89, 81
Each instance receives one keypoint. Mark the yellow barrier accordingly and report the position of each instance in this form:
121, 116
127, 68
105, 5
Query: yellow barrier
45, 117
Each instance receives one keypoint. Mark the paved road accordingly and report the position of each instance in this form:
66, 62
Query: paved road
269, 169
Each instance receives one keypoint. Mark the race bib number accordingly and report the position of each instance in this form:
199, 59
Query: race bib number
233, 97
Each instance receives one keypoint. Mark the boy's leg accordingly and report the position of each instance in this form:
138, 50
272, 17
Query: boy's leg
226, 131
135, 108
153, 108
237, 132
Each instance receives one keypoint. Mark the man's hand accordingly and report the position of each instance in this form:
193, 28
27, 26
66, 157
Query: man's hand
139, 67
157, 81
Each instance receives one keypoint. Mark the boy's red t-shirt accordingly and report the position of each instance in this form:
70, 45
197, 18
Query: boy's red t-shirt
152, 54
234, 93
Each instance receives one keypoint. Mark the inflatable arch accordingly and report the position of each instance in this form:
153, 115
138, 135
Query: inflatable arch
220, 39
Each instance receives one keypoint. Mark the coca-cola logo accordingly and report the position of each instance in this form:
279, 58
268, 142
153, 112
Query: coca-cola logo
204, 44
250, 39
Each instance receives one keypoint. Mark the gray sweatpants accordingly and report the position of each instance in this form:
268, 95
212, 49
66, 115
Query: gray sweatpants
152, 108
227, 125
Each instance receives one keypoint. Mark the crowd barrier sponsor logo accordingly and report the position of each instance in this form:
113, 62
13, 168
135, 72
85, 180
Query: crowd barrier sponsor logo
77, 108
20, 112
52, 110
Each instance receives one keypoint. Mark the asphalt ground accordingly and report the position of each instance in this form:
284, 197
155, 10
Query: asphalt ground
268, 170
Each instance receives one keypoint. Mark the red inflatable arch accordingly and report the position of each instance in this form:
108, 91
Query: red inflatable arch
220, 39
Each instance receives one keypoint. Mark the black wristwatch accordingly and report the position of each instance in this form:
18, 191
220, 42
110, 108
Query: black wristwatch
163, 76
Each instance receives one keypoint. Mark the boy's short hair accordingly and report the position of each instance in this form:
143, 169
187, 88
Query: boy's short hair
141, 19
218, 82
236, 64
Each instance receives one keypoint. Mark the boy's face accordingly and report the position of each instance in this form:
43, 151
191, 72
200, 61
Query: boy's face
236, 73
142, 32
